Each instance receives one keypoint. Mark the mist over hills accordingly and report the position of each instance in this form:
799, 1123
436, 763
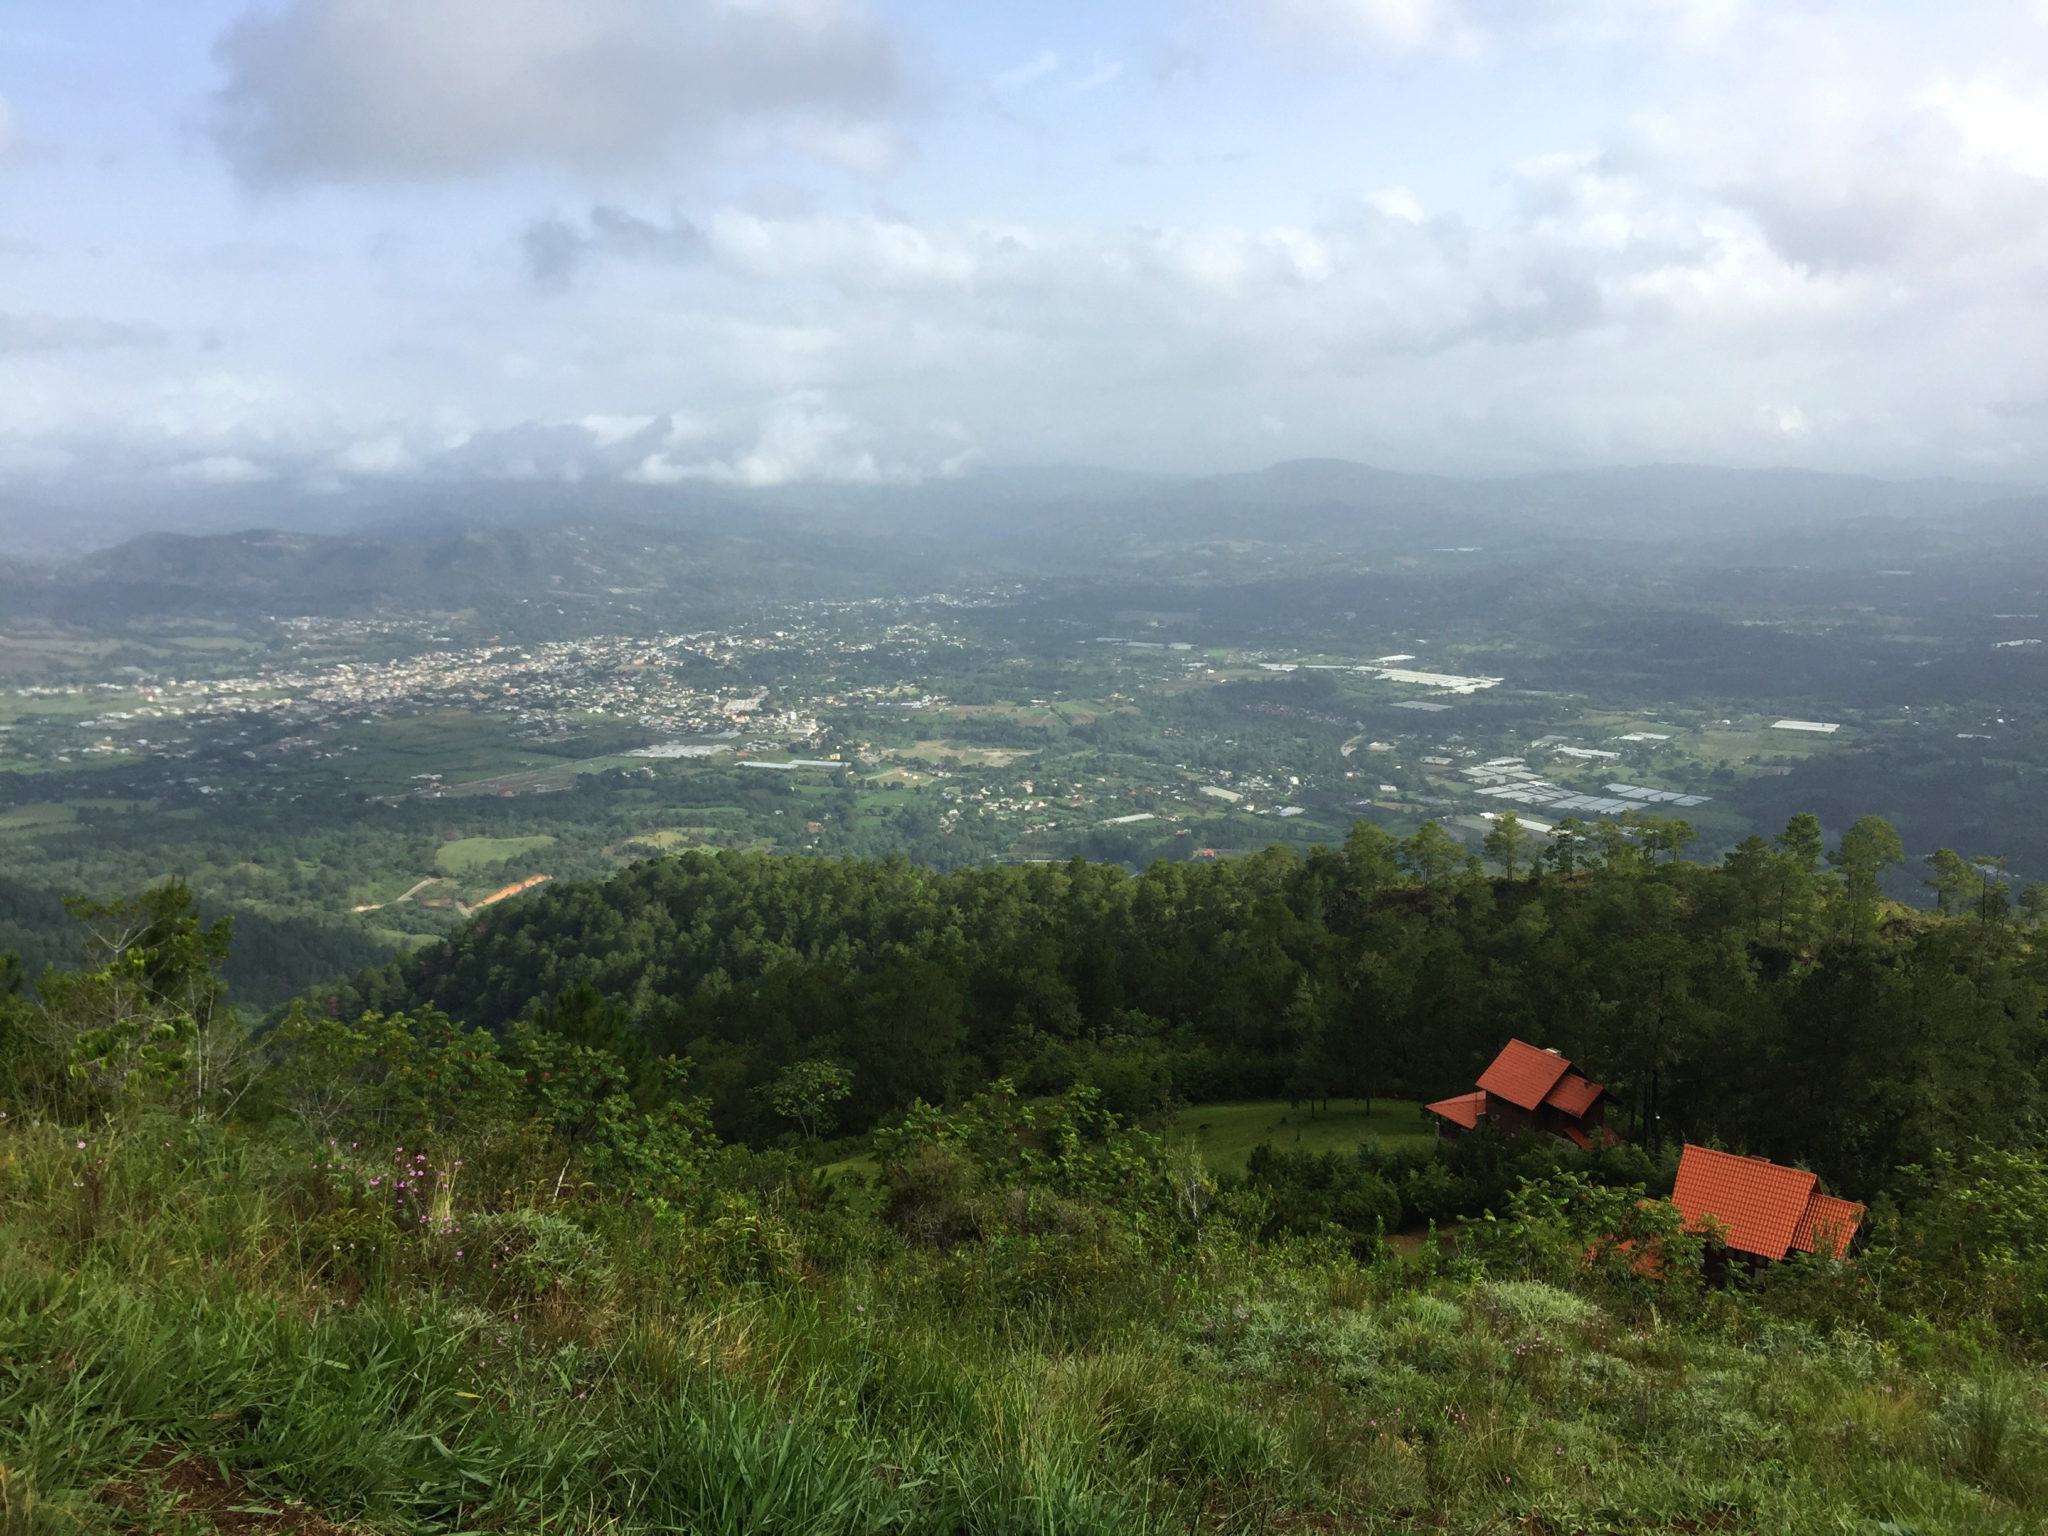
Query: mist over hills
713, 566
714, 548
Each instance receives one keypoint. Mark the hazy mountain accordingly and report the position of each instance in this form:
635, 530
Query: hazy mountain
710, 550
705, 568
1334, 501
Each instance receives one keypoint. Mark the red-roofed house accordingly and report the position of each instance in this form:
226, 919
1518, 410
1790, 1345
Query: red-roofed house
1463, 1111
1528, 1088
1764, 1209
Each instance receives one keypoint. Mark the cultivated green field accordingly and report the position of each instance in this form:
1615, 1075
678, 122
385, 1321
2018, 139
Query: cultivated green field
669, 839
1226, 1133
391, 756
467, 853
42, 816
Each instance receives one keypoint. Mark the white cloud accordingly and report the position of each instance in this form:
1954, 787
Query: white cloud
367, 89
1398, 203
1398, 27
799, 438
609, 431
1466, 28
870, 149
860, 253
386, 455
221, 469
1679, 23
1100, 73
1788, 419
74, 333
1037, 67
1998, 125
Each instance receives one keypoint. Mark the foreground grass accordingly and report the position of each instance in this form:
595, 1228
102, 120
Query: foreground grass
575, 1366
1226, 1133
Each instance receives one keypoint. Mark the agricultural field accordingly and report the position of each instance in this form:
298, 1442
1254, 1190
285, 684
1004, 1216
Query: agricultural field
451, 747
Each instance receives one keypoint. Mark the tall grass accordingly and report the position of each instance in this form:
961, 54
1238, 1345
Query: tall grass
177, 1287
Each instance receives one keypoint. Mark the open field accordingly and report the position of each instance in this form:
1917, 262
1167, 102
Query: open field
1226, 1133
669, 839
464, 854
971, 756
386, 756
554, 776
899, 778
52, 816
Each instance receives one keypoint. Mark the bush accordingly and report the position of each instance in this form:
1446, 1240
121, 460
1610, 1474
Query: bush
931, 1195
1306, 1192
535, 1256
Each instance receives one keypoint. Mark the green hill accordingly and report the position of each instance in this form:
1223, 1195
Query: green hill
1711, 1000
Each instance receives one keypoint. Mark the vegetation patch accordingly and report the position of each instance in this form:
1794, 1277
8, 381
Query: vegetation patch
461, 855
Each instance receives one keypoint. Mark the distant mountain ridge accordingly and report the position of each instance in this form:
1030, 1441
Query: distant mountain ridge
712, 569
1650, 500
717, 551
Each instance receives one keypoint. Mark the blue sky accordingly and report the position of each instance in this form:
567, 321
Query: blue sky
320, 242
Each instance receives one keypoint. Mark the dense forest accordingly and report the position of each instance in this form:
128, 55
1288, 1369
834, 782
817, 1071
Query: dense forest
1773, 1001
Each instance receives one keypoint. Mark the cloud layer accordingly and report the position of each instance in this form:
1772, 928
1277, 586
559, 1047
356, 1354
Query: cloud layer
546, 241
367, 89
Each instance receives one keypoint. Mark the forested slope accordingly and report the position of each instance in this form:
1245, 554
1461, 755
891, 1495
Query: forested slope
1772, 1001
273, 957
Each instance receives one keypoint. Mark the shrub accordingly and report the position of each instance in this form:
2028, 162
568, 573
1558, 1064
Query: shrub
931, 1195
535, 1256
1306, 1192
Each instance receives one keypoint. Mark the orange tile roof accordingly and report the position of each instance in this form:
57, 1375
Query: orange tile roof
1830, 1221
1760, 1203
1573, 1095
1578, 1138
1522, 1074
1463, 1110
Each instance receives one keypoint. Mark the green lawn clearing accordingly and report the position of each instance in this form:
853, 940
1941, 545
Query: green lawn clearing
1226, 1133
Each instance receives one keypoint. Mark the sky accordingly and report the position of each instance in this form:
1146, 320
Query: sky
325, 243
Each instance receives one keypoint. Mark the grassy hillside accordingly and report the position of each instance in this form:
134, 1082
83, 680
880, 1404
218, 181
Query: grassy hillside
189, 1317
